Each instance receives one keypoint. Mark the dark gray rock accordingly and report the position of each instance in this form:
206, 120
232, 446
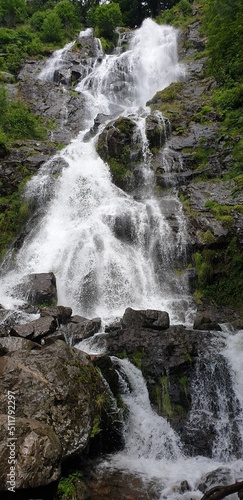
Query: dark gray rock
35, 330
60, 313
80, 328
11, 344
38, 289
156, 320
57, 386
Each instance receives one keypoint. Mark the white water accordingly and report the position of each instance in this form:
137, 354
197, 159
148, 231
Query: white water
100, 271
154, 451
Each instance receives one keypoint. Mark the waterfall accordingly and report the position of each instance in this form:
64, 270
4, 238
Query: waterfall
147, 435
110, 250
154, 451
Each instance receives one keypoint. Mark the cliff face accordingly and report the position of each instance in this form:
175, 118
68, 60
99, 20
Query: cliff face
201, 162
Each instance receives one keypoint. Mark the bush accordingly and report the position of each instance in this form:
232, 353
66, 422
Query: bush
106, 17
52, 30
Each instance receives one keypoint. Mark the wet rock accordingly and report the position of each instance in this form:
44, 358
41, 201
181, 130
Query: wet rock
157, 130
80, 328
38, 289
126, 486
11, 344
35, 330
156, 320
60, 313
57, 386
204, 322
222, 476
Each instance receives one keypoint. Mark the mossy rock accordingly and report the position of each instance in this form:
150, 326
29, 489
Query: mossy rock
120, 145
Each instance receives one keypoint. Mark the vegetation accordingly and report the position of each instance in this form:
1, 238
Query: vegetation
66, 487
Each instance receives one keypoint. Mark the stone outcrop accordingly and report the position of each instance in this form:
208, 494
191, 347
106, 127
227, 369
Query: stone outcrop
38, 289
62, 407
171, 359
122, 146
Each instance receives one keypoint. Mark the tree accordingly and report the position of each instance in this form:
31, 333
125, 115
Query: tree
67, 13
224, 28
107, 17
12, 12
51, 30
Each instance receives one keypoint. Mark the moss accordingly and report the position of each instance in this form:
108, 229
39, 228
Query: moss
166, 402
207, 237
118, 170
137, 357
96, 429
14, 213
185, 384
220, 274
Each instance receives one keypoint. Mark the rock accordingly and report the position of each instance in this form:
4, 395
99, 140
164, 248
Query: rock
221, 476
60, 313
38, 289
58, 386
203, 322
127, 486
108, 371
35, 330
157, 130
37, 451
80, 328
11, 344
171, 360
156, 320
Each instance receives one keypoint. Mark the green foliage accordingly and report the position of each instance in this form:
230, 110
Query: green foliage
96, 427
12, 12
14, 212
51, 29
224, 28
106, 17
119, 171
220, 274
207, 236
179, 15
20, 123
66, 488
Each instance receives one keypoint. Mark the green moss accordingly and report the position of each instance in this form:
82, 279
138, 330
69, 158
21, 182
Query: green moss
220, 274
118, 169
184, 382
207, 237
137, 357
166, 403
224, 213
96, 429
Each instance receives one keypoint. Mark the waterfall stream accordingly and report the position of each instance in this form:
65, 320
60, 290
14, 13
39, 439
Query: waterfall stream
111, 250
108, 249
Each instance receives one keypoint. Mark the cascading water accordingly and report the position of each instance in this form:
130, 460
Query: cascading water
107, 249
110, 251
154, 451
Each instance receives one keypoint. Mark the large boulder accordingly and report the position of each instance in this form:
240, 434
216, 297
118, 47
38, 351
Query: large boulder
178, 365
156, 320
38, 289
61, 406
79, 328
